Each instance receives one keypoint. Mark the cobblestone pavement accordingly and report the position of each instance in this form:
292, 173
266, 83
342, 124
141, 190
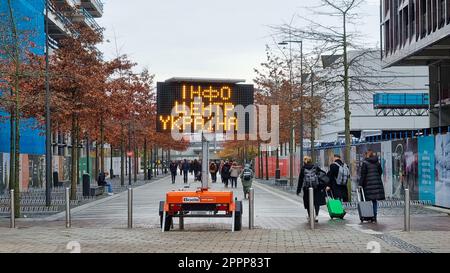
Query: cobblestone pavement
281, 227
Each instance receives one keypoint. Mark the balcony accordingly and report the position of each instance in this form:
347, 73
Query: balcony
93, 7
83, 16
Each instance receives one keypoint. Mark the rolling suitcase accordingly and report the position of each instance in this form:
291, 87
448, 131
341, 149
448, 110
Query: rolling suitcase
335, 208
365, 208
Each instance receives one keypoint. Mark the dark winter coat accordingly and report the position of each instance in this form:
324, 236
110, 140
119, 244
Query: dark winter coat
185, 166
339, 192
173, 168
225, 172
370, 181
319, 192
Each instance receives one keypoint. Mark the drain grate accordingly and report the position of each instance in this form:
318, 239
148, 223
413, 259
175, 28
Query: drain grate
396, 242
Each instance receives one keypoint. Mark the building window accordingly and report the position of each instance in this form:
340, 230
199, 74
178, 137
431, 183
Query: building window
405, 25
434, 14
387, 37
412, 21
428, 17
441, 13
423, 18
448, 11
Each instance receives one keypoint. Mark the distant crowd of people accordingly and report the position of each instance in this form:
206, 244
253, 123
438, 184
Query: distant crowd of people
229, 171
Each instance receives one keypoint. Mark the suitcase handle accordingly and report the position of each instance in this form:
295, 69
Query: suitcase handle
332, 196
361, 190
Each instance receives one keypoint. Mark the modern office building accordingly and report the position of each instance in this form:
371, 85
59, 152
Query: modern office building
417, 33
30, 17
392, 100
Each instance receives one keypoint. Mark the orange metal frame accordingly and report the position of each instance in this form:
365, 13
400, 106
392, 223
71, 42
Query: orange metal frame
223, 200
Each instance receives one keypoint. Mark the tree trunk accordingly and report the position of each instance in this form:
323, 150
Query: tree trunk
313, 139
73, 191
96, 173
111, 170
145, 160
347, 100
12, 151
17, 161
151, 161
78, 153
122, 159
102, 144
136, 164
15, 117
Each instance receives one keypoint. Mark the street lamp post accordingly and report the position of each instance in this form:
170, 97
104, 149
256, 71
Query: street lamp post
48, 135
292, 139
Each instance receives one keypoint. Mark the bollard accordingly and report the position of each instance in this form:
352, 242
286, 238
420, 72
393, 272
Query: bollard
251, 209
163, 226
130, 208
312, 213
407, 211
13, 216
68, 220
181, 221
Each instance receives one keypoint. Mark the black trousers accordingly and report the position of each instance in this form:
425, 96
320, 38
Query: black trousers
225, 181
174, 175
185, 177
214, 177
316, 207
234, 182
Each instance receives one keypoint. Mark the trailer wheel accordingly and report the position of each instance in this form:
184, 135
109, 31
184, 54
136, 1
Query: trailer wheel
238, 216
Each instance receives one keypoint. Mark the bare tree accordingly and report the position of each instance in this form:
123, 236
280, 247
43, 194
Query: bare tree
344, 57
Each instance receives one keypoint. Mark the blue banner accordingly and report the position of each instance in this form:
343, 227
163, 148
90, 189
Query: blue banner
427, 169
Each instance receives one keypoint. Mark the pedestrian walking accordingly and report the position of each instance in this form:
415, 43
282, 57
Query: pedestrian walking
371, 181
185, 168
312, 176
225, 173
173, 167
213, 169
247, 180
339, 175
180, 166
235, 171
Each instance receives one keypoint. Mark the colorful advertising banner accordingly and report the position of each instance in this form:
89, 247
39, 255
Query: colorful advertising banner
411, 168
427, 169
386, 163
398, 168
442, 153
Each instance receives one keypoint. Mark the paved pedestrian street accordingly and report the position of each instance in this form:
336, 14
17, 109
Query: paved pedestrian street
280, 219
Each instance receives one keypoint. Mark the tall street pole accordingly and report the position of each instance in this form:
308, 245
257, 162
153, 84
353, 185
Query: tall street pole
301, 105
292, 140
48, 135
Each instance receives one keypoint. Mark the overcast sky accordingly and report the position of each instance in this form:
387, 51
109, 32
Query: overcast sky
205, 38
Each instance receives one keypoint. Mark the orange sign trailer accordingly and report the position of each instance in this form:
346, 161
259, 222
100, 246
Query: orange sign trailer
202, 203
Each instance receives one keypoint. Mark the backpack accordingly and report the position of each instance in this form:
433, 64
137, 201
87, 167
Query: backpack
343, 175
311, 180
247, 175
